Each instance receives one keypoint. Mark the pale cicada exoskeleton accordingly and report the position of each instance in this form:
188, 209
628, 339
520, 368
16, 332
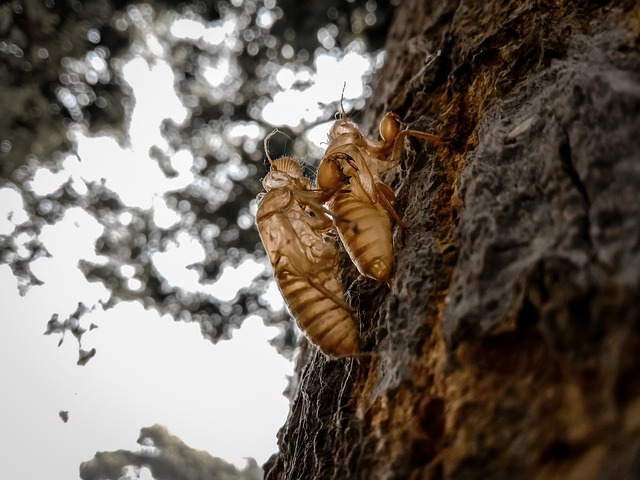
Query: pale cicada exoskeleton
351, 168
305, 262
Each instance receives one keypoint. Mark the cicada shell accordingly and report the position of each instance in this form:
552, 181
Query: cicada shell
351, 167
305, 263
362, 222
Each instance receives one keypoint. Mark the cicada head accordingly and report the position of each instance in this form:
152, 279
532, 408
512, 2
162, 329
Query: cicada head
342, 127
285, 172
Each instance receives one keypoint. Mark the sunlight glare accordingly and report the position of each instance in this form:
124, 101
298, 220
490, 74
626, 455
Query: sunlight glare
73, 236
246, 129
135, 178
285, 78
12, 212
215, 35
332, 73
265, 18
233, 279
187, 29
318, 137
21, 240
273, 297
173, 263
45, 181
217, 73
155, 98
182, 161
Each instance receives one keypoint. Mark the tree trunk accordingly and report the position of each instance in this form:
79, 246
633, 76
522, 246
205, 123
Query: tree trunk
508, 343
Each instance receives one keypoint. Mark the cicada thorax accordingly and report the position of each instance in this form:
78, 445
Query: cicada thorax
305, 264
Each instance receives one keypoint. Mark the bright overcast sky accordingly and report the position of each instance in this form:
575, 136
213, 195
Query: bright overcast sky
224, 398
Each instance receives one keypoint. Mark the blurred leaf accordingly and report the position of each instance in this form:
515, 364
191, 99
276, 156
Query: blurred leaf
64, 416
85, 355
168, 458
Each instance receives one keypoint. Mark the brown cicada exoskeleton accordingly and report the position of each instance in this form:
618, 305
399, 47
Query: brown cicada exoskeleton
305, 263
351, 167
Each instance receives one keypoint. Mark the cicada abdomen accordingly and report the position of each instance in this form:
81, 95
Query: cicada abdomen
370, 245
317, 303
305, 263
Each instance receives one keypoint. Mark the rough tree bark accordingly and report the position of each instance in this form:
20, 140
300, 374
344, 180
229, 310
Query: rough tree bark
508, 344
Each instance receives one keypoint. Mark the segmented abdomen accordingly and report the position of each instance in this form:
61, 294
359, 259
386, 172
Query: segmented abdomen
366, 237
327, 324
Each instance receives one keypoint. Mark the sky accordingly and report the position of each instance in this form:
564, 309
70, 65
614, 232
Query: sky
224, 398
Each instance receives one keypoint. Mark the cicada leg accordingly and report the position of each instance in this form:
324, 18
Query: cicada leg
396, 153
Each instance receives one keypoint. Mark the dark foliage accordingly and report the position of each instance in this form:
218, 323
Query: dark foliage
61, 67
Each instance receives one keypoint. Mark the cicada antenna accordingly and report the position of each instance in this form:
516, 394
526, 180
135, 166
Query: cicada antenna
344, 114
266, 145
